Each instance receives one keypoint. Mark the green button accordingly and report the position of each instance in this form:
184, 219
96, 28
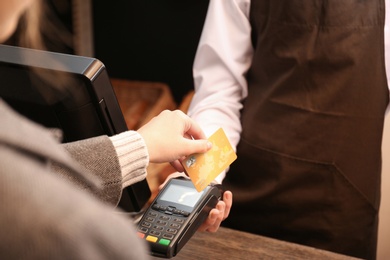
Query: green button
164, 242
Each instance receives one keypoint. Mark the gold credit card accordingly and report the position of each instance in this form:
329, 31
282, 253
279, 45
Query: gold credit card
204, 168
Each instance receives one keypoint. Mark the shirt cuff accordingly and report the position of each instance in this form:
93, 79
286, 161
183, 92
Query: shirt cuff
133, 156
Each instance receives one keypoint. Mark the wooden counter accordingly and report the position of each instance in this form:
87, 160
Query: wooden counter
229, 244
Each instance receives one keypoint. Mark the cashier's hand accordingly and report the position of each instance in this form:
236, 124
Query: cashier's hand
218, 214
171, 136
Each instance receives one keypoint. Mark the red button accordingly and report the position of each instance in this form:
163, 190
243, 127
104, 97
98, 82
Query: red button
141, 235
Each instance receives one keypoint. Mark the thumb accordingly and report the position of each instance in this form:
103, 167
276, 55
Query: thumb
197, 146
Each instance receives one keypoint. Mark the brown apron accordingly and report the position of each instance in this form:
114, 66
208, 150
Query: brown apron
309, 159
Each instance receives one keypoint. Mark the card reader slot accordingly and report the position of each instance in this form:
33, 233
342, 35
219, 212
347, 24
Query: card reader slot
200, 217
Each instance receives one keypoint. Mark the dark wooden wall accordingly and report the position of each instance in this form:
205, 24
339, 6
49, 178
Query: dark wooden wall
151, 40
148, 40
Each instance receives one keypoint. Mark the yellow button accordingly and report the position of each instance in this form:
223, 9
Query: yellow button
151, 239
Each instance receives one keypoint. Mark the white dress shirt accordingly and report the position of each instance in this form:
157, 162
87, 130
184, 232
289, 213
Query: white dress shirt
223, 57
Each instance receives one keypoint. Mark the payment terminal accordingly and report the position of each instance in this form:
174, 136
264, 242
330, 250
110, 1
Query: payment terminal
175, 215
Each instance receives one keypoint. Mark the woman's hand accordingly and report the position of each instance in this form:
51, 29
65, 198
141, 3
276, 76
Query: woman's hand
172, 135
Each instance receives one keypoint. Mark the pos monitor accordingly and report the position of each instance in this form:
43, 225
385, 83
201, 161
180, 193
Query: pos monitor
32, 82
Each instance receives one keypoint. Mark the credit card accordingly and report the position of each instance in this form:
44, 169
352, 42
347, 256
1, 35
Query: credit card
204, 168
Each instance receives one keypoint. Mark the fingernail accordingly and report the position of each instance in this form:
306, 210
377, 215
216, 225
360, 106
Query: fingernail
209, 145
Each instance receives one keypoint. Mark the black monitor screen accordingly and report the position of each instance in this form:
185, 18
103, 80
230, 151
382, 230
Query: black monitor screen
86, 107
68, 92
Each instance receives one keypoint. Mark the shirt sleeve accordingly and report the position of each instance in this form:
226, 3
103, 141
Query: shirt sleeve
222, 60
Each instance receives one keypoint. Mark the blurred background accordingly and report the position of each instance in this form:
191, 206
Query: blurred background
147, 40
148, 47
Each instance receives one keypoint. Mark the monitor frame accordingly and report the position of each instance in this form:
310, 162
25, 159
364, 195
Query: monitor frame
87, 108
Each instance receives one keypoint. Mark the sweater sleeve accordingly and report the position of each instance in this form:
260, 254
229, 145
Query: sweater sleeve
132, 155
118, 161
